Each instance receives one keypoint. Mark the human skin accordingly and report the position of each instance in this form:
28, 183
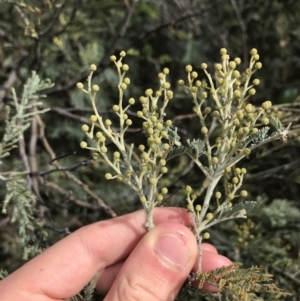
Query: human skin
132, 264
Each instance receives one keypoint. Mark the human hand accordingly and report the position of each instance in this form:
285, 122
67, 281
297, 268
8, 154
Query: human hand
133, 264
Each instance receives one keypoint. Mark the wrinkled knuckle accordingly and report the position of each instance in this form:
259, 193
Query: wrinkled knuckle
134, 289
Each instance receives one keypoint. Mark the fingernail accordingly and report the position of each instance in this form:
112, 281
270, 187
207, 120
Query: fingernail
173, 250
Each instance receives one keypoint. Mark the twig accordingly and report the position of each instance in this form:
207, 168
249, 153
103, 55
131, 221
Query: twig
270, 172
179, 20
69, 175
7, 84
119, 33
32, 156
243, 26
54, 16
69, 196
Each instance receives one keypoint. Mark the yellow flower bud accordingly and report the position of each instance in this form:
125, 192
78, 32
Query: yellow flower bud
168, 122
253, 51
108, 122
164, 169
235, 122
99, 135
223, 51
188, 188
243, 212
139, 114
164, 134
218, 195
113, 58
235, 180
161, 75
237, 93
83, 144
240, 114
244, 193
256, 82
214, 160
198, 83
93, 118
164, 190
125, 67
117, 155
246, 151
131, 101
236, 74
103, 149
215, 114
181, 82
95, 156
209, 216
143, 199
188, 68
79, 86
252, 91
230, 196
265, 121
148, 92
207, 110
243, 171
85, 128
152, 181
194, 74
159, 197
127, 81
258, 65
108, 176
256, 57
218, 66
204, 94
266, 105
198, 208
162, 162
249, 108
116, 108
93, 67
206, 235
122, 53
123, 86
237, 60
203, 66
159, 126
166, 146
232, 65
141, 147
204, 130
225, 57
166, 85
128, 122
170, 94
166, 71
102, 139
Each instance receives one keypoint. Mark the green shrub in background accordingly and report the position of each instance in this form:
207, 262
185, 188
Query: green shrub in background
57, 41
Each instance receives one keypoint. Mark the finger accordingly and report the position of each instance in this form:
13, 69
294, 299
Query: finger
109, 274
65, 268
209, 248
157, 267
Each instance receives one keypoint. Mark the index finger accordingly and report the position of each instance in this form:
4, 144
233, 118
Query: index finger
65, 268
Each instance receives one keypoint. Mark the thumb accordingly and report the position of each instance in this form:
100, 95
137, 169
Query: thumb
158, 266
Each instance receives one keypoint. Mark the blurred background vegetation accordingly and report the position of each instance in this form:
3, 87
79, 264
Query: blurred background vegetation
59, 39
